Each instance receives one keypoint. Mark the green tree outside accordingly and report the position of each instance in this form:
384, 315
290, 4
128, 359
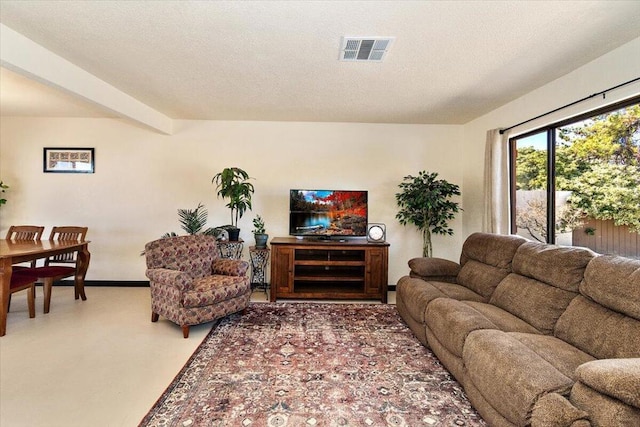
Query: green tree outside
598, 160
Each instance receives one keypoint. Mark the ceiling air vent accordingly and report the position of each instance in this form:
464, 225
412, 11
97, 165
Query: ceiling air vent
371, 49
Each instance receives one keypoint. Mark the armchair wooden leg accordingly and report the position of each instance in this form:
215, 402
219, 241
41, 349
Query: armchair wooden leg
155, 317
185, 331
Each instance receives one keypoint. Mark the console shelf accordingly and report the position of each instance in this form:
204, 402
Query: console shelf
353, 269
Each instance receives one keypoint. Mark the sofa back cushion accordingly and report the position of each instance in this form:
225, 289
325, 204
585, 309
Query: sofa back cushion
192, 254
545, 279
604, 320
486, 260
614, 282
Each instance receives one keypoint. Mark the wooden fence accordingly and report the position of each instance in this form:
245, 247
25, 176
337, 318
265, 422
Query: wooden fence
604, 237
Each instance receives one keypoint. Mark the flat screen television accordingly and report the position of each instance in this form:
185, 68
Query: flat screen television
328, 213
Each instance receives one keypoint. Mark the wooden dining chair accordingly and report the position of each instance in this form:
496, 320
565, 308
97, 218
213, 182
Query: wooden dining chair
24, 232
21, 281
58, 267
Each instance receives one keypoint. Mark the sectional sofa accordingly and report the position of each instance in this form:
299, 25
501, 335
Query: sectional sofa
536, 334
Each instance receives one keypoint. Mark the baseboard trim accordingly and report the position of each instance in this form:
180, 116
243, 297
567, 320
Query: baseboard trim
110, 283
133, 283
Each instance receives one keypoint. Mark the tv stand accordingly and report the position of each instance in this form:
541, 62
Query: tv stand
328, 269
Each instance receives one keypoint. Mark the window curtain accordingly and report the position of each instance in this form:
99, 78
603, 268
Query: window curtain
496, 183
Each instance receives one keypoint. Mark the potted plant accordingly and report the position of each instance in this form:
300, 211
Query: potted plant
259, 232
233, 184
425, 202
3, 187
193, 221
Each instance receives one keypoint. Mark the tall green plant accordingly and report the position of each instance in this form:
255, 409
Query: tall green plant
425, 202
233, 184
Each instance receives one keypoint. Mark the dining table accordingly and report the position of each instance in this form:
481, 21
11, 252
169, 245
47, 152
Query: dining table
18, 251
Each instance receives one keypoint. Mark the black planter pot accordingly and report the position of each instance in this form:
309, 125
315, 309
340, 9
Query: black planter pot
234, 234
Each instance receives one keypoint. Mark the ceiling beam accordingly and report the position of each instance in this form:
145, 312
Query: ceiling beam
28, 58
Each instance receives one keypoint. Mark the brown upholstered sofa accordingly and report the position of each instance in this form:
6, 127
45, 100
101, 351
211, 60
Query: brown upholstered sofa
536, 334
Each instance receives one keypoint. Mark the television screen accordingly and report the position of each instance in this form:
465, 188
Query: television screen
326, 213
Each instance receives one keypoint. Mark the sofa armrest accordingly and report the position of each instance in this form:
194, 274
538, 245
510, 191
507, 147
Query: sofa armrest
553, 410
616, 378
230, 267
165, 277
434, 269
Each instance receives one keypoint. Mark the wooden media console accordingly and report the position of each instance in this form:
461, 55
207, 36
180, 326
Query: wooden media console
351, 269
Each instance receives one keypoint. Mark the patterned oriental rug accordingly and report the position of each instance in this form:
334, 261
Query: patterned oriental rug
313, 364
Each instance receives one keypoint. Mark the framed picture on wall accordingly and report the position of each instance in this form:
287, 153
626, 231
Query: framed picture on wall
69, 160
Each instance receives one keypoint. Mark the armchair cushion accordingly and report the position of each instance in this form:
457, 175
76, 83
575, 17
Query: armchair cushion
163, 276
211, 289
230, 267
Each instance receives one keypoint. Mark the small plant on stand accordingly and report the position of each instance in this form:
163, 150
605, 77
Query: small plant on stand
259, 232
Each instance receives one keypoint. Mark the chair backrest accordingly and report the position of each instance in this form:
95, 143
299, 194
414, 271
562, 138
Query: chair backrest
66, 233
25, 232
191, 254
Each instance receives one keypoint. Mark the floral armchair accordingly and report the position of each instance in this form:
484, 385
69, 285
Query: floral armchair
189, 282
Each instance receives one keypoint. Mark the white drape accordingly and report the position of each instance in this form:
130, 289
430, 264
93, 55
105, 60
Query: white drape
496, 183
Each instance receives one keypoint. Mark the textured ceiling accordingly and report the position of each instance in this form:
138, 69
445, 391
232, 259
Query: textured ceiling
451, 61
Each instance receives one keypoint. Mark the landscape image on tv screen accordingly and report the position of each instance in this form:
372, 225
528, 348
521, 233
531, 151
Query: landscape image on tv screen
328, 213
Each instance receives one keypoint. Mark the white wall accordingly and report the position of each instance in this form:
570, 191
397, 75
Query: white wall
612, 69
142, 178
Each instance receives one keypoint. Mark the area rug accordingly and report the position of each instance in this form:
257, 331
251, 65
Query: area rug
313, 364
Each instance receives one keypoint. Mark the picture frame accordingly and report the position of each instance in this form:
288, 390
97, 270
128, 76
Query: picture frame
68, 160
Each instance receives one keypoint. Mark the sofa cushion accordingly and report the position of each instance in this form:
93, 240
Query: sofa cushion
563, 356
533, 301
457, 292
618, 378
558, 266
545, 279
504, 320
510, 375
481, 278
614, 282
553, 410
486, 260
594, 329
491, 249
603, 410
417, 293
452, 321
